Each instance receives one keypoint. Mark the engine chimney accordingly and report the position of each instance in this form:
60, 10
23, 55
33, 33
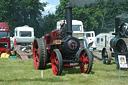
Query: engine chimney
69, 19
117, 24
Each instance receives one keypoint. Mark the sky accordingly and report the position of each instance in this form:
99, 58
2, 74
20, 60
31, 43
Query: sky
51, 7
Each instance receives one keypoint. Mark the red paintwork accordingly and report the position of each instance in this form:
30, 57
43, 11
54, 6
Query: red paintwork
3, 25
85, 63
4, 28
54, 35
54, 66
36, 57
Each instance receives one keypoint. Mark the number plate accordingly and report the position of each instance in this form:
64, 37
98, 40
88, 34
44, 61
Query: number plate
74, 63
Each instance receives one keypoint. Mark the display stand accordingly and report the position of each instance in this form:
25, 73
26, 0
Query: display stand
122, 62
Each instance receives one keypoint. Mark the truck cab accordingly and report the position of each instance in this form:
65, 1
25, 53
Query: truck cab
4, 38
24, 34
90, 38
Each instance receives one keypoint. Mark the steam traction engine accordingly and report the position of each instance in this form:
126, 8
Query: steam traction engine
61, 49
119, 44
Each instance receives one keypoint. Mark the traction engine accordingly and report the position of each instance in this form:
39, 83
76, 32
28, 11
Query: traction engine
61, 49
119, 44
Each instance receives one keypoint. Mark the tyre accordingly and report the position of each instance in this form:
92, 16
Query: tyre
39, 54
86, 59
56, 62
106, 55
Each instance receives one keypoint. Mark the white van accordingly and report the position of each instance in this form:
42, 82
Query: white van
103, 40
77, 26
90, 38
24, 34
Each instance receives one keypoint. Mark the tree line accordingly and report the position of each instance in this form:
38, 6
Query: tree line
98, 16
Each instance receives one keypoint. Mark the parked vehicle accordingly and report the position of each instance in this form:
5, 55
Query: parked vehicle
119, 44
77, 26
24, 34
4, 38
61, 49
23, 41
90, 38
103, 40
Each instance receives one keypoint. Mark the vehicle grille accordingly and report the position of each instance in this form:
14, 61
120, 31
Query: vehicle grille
3, 45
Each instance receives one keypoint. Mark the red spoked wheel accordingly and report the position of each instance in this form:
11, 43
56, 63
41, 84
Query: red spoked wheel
39, 54
56, 62
87, 60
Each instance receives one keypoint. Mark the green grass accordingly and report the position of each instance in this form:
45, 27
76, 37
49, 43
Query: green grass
18, 72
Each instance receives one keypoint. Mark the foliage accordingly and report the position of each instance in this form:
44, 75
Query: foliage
21, 12
48, 23
98, 16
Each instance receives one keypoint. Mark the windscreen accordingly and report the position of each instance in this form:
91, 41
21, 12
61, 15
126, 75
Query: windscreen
82, 43
4, 34
75, 27
25, 34
88, 35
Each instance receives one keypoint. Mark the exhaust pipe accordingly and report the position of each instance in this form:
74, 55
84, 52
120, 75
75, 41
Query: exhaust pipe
69, 20
117, 24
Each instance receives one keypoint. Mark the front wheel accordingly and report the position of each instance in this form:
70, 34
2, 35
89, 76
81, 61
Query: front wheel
86, 59
56, 62
106, 55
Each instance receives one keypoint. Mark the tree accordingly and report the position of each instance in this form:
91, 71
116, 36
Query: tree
98, 16
48, 23
21, 12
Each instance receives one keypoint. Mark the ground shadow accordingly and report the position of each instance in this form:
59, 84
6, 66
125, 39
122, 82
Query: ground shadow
72, 70
98, 58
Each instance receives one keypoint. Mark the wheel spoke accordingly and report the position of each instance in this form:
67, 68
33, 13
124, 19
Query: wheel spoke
56, 69
36, 49
56, 62
37, 59
85, 60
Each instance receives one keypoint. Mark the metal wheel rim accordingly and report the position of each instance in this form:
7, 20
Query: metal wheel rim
54, 63
36, 54
106, 56
85, 62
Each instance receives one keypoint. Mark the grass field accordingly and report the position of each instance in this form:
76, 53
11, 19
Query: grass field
18, 72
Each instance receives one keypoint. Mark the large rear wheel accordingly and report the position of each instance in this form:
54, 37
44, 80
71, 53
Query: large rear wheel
39, 54
56, 62
87, 60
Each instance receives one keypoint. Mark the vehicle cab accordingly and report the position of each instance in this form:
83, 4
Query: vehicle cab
90, 38
4, 38
24, 34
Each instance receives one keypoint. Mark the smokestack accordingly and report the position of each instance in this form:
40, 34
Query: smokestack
117, 24
69, 19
